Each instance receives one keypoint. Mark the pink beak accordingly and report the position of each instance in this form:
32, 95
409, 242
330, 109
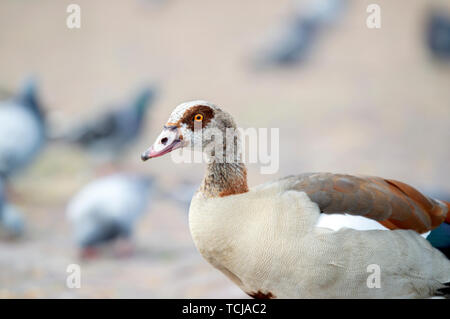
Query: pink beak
170, 139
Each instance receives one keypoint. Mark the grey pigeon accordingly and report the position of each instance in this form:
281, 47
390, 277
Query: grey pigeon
298, 35
438, 34
108, 208
22, 130
111, 132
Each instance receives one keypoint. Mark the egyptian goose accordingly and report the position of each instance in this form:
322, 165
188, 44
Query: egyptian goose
108, 134
22, 130
106, 211
266, 239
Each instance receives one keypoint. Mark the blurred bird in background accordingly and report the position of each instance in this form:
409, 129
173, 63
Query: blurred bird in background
438, 34
106, 210
108, 135
12, 223
295, 39
22, 130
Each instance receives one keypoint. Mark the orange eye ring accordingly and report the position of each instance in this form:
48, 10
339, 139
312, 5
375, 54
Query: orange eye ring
198, 117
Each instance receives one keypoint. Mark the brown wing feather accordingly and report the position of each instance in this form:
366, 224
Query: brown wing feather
447, 219
394, 204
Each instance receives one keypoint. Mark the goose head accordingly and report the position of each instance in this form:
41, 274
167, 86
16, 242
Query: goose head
197, 124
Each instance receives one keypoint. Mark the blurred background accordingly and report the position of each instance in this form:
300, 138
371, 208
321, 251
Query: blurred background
346, 98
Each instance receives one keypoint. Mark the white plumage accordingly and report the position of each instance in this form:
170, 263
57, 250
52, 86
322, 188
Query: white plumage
267, 241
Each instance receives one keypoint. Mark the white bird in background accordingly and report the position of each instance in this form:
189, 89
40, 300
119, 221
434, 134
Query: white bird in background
269, 241
107, 209
22, 130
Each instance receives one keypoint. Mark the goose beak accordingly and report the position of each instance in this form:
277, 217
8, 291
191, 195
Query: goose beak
170, 139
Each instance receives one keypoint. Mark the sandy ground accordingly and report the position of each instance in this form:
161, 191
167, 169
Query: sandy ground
368, 102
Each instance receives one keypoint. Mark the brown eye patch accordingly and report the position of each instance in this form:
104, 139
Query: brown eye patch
195, 113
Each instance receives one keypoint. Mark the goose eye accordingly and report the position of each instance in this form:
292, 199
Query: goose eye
198, 117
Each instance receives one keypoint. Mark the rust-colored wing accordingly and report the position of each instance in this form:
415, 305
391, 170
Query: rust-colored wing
393, 204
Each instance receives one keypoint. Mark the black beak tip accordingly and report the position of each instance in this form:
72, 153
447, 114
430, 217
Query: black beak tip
144, 156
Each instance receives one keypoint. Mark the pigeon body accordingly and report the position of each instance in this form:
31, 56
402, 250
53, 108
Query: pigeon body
111, 132
108, 208
22, 131
295, 39
438, 34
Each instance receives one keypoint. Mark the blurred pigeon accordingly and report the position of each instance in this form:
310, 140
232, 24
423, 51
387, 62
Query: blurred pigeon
107, 209
438, 34
22, 130
113, 131
294, 41
12, 223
